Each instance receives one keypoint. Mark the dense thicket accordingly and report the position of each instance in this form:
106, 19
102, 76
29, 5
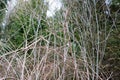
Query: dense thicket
82, 41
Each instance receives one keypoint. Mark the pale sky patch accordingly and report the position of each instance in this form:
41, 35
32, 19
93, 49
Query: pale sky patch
53, 6
11, 4
108, 2
10, 7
